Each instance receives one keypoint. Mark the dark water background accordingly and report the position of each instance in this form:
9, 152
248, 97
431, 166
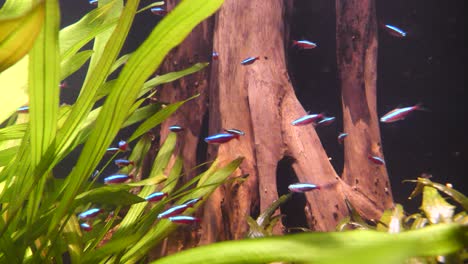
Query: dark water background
426, 67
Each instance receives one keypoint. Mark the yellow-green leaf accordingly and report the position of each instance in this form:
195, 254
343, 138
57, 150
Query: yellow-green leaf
17, 35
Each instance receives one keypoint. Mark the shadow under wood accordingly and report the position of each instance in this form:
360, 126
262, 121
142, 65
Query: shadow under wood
293, 209
202, 147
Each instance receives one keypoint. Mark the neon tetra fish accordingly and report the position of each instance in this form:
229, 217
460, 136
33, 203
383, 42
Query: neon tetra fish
112, 150
326, 121
249, 60
117, 178
304, 44
86, 227
159, 11
234, 131
176, 128
91, 213
221, 138
123, 145
215, 55
192, 202
398, 114
394, 31
341, 137
23, 109
302, 187
123, 162
376, 160
307, 119
155, 197
184, 219
178, 209
93, 2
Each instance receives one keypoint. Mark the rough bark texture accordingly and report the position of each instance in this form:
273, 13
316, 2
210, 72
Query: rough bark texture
356, 34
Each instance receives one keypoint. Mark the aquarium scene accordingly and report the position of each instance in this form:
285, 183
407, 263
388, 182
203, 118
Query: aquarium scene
233, 131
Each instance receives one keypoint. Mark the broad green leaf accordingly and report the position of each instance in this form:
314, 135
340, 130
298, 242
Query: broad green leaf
112, 195
360, 247
17, 34
435, 207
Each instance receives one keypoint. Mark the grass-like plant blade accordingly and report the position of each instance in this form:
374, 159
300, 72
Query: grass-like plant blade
164, 227
7, 154
12, 132
44, 77
112, 195
158, 118
172, 76
75, 36
74, 240
43, 84
169, 33
17, 34
74, 63
112, 247
360, 247
160, 162
102, 38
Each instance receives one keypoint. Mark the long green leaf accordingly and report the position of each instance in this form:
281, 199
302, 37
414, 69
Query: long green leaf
44, 94
75, 62
360, 247
158, 118
112, 195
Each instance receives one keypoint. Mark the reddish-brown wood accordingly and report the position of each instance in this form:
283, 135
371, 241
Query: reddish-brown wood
356, 34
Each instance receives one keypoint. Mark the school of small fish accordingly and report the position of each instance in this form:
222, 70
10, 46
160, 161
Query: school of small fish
174, 213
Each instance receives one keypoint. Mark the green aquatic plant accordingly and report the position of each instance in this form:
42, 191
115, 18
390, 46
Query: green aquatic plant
435, 234
39, 220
